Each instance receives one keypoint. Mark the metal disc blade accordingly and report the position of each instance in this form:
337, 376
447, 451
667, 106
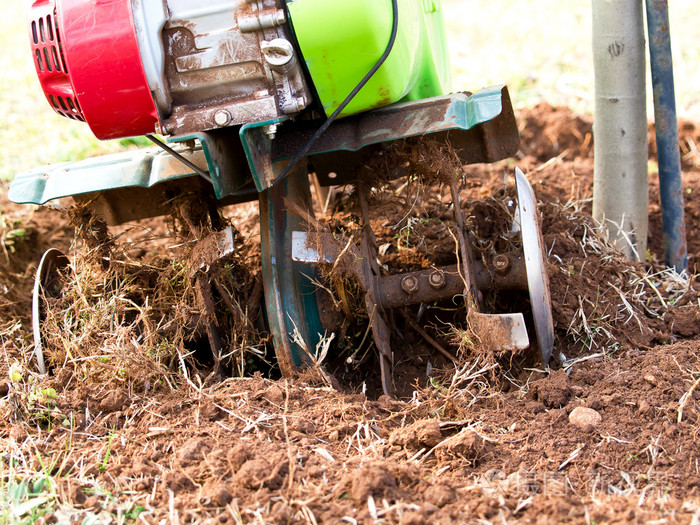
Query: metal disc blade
51, 262
537, 279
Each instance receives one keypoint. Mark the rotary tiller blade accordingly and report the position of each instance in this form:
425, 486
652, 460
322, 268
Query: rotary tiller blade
537, 279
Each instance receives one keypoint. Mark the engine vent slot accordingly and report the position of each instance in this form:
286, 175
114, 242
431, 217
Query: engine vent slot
49, 58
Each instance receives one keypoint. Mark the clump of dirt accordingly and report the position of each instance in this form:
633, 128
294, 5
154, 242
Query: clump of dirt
423, 433
374, 481
466, 445
553, 392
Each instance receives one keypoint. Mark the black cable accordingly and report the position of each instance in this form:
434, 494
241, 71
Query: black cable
179, 157
348, 99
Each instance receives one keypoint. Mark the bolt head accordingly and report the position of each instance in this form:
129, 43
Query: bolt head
271, 131
501, 263
222, 118
409, 284
437, 279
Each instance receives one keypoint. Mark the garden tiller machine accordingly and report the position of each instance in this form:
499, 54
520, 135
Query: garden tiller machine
245, 99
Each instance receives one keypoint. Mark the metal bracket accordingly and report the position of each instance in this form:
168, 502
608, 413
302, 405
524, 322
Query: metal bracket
460, 114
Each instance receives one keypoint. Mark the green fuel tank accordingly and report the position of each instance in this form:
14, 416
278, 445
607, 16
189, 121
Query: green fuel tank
342, 40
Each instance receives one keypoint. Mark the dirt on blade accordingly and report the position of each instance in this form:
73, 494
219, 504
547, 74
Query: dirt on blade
137, 421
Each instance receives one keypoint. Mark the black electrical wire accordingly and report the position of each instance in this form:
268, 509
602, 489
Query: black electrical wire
348, 99
179, 157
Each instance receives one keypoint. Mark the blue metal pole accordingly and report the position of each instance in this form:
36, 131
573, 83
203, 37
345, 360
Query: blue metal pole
666, 123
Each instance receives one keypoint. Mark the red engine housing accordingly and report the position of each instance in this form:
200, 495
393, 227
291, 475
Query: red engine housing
74, 65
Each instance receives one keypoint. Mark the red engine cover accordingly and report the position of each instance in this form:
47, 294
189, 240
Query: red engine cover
88, 62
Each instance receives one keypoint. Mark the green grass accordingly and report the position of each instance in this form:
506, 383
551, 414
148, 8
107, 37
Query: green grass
31, 133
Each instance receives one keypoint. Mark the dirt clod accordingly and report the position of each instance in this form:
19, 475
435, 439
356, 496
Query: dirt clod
425, 433
218, 496
115, 400
440, 495
193, 450
466, 445
554, 391
374, 480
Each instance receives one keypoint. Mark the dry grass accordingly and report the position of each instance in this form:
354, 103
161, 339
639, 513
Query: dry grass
136, 322
626, 296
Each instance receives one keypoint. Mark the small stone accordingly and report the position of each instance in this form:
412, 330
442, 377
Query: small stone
643, 407
582, 417
651, 379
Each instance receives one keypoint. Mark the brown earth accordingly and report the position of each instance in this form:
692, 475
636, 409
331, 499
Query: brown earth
489, 442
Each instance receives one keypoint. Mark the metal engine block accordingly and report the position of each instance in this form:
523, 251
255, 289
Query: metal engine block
218, 63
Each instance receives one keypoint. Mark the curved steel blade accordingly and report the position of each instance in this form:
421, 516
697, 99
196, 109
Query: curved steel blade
52, 261
537, 279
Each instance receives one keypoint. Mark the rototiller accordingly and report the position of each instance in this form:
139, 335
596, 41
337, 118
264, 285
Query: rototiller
252, 97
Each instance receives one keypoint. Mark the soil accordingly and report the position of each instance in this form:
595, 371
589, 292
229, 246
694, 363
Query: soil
489, 442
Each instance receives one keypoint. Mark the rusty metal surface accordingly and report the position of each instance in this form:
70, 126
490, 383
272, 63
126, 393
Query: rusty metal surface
465, 251
371, 270
122, 205
325, 248
423, 286
454, 113
503, 331
225, 65
216, 246
490, 141
479, 127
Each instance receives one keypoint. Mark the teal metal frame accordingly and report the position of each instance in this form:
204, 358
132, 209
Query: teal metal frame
219, 150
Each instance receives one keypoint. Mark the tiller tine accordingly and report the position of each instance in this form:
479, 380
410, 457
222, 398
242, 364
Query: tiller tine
207, 254
503, 331
297, 318
524, 270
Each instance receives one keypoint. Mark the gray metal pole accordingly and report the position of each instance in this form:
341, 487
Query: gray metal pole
621, 178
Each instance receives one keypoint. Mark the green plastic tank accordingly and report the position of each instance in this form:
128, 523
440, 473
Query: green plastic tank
341, 40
